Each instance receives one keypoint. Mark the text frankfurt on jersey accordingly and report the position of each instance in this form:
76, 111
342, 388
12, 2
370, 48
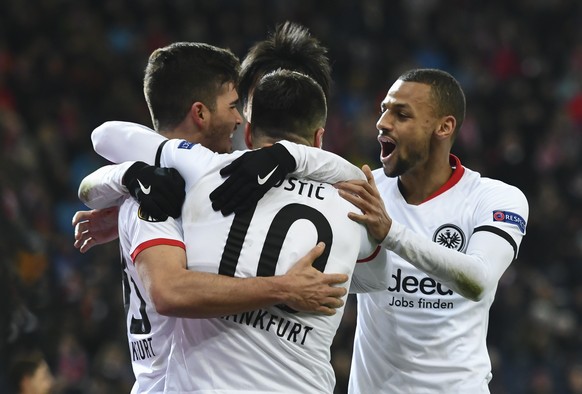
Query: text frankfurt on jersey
414, 285
284, 328
142, 349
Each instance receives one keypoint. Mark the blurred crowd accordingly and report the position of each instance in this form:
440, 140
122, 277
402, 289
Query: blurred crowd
67, 66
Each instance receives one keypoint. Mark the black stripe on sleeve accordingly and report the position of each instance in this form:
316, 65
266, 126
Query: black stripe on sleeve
159, 153
502, 234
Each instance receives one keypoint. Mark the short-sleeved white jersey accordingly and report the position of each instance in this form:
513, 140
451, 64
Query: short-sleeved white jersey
149, 334
270, 350
418, 336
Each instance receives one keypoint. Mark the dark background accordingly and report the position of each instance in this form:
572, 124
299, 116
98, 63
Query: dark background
68, 66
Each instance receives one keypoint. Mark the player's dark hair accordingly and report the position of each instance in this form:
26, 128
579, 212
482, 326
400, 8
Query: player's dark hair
445, 90
288, 105
290, 47
183, 73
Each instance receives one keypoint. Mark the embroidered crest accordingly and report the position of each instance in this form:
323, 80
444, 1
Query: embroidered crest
450, 236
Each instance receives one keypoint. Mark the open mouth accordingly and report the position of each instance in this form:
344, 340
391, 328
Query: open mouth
388, 145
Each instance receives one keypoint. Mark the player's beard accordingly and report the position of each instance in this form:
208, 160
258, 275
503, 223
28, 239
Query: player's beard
404, 164
221, 141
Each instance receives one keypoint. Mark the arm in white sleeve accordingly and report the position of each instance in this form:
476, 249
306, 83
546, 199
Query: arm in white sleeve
320, 165
371, 274
373, 265
125, 141
471, 275
103, 188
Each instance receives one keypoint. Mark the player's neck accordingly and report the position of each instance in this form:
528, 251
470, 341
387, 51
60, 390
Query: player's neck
418, 184
267, 141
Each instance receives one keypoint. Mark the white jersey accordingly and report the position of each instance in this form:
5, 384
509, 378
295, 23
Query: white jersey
149, 334
270, 350
418, 336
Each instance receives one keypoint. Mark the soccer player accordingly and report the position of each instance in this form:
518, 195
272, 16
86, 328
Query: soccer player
451, 232
190, 91
290, 46
269, 349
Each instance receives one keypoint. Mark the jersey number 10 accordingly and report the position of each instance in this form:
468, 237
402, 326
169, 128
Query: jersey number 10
276, 234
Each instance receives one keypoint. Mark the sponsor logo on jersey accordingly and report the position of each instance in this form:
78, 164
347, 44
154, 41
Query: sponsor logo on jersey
421, 303
412, 284
450, 236
436, 294
185, 145
510, 217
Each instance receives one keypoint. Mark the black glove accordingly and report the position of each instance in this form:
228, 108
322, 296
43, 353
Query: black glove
251, 176
159, 191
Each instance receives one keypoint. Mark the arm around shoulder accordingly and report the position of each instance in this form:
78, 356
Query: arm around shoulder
320, 165
103, 188
176, 291
126, 141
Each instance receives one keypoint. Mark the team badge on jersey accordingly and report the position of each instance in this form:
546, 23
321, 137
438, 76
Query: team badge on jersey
510, 217
185, 145
450, 236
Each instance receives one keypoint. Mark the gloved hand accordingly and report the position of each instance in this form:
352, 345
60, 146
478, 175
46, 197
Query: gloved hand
250, 177
159, 191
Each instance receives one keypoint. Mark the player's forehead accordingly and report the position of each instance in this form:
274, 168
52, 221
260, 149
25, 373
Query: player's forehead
414, 95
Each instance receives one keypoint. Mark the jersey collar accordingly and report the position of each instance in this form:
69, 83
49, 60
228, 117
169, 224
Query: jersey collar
458, 171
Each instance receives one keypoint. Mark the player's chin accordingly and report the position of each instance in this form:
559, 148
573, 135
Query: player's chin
227, 145
389, 167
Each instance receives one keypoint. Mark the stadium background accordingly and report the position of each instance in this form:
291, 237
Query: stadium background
67, 66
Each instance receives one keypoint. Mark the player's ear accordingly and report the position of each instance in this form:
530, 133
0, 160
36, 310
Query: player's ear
199, 114
248, 136
446, 127
318, 138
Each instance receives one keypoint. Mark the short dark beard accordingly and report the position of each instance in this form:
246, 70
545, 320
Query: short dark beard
403, 165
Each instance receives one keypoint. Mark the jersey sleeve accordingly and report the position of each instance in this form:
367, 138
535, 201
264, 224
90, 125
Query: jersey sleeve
103, 187
472, 274
142, 234
320, 165
502, 210
126, 141
372, 267
371, 275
